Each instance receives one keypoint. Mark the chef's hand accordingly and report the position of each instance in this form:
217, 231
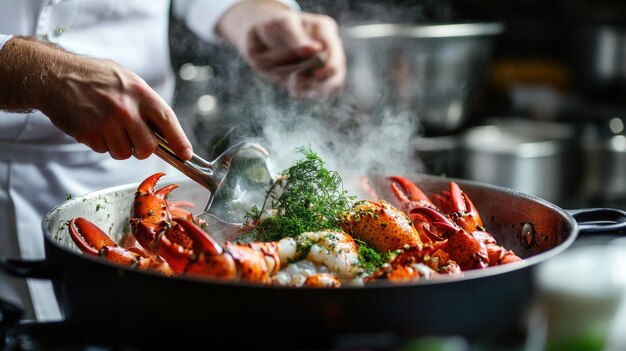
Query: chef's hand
98, 102
300, 51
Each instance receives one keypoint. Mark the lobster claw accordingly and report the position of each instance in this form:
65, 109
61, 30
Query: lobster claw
149, 213
380, 225
431, 215
91, 240
253, 263
424, 219
408, 195
179, 257
456, 203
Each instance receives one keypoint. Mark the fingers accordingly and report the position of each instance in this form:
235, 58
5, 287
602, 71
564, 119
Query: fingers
279, 61
129, 134
98, 145
120, 147
165, 120
267, 59
276, 44
302, 52
285, 32
325, 30
143, 141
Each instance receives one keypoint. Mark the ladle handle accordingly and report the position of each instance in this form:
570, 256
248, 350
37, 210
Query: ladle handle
196, 168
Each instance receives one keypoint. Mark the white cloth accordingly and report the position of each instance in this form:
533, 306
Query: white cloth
4, 39
40, 165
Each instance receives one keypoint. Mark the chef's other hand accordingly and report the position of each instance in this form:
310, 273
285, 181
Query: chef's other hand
300, 51
98, 102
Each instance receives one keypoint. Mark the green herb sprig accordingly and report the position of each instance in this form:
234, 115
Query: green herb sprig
307, 197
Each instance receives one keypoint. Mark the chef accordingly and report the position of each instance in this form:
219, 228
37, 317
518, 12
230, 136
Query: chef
80, 78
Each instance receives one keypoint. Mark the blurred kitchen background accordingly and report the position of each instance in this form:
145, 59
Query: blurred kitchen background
527, 94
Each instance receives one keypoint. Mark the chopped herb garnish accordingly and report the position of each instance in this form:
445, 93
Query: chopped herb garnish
303, 248
370, 259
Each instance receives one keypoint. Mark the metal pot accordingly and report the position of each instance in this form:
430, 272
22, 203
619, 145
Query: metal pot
532, 157
429, 71
102, 300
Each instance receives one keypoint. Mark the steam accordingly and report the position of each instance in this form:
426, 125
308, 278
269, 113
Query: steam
369, 144
348, 139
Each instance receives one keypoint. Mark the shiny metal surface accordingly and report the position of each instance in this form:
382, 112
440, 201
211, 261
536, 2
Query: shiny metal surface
429, 71
251, 176
381, 30
529, 156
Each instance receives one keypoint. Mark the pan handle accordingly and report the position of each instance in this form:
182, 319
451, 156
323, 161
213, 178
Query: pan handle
38, 269
600, 220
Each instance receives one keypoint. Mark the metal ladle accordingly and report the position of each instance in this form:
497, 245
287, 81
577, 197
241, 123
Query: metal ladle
238, 179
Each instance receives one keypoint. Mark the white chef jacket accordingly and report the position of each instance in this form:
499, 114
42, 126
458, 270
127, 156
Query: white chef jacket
39, 164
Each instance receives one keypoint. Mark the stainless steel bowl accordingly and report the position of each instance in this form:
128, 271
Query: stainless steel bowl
427, 70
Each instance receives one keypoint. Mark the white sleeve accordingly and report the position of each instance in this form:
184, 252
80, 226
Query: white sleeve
201, 16
4, 38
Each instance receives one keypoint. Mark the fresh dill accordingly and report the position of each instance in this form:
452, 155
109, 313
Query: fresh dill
370, 259
307, 197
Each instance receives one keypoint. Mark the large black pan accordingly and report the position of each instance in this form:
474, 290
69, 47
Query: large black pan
484, 304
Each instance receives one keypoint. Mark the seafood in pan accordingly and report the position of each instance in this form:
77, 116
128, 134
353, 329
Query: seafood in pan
310, 233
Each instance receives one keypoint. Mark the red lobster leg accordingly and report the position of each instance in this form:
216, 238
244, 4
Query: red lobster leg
499, 255
457, 204
408, 196
418, 262
252, 263
179, 257
93, 241
177, 209
423, 219
463, 248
